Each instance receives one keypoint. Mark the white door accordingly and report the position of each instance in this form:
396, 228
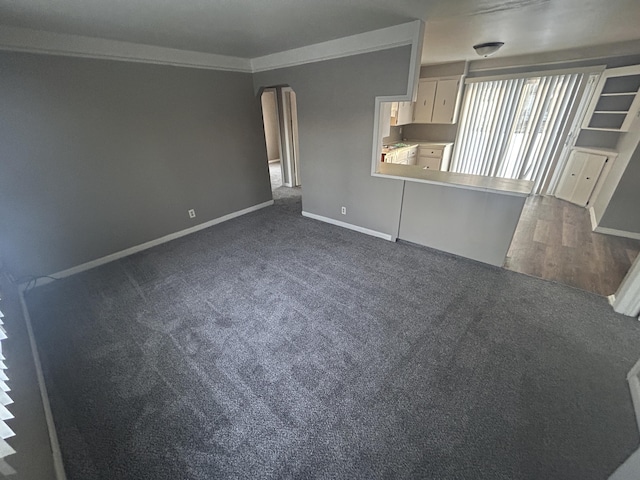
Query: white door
423, 109
445, 101
580, 176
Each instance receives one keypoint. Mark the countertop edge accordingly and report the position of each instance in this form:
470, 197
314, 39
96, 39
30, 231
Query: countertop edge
496, 190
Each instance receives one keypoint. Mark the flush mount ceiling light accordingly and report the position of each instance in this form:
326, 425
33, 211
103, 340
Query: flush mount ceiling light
487, 49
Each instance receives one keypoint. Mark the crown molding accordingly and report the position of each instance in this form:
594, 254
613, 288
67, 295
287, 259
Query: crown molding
375, 40
37, 41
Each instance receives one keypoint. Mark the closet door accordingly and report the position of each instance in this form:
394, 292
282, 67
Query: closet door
580, 176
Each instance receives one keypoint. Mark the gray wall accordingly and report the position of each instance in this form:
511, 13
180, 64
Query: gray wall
336, 102
98, 156
474, 224
623, 211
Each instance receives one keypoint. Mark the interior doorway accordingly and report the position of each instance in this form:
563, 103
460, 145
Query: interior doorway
280, 119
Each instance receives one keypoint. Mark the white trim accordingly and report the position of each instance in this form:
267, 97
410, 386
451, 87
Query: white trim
613, 231
58, 465
416, 60
147, 245
37, 41
627, 298
594, 220
633, 377
541, 73
382, 39
50, 43
350, 226
412, 92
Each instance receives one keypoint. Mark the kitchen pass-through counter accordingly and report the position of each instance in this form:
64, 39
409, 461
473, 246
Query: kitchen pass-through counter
467, 215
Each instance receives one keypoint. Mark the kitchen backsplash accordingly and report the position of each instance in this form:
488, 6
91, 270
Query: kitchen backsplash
432, 132
395, 136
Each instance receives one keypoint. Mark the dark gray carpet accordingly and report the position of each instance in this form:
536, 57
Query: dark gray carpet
274, 346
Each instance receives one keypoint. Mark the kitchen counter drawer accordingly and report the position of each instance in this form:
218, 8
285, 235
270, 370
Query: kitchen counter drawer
431, 152
430, 163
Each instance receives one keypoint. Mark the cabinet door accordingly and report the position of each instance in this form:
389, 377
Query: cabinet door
405, 113
588, 177
570, 176
580, 176
423, 109
445, 101
412, 156
429, 163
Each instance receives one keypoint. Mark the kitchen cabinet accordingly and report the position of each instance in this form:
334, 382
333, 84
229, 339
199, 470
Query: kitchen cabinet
616, 100
423, 108
434, 156
402, 155
580, 176
405, 113
401, 113
437, 100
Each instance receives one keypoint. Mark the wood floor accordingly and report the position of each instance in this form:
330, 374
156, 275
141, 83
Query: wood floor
554, 241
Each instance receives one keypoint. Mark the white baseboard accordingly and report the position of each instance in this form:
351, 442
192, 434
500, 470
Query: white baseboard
373, 233
592, 216
144, 246
58, 465
609, 231
617, 233
633, 378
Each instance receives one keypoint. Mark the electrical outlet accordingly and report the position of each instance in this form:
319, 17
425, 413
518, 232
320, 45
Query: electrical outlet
192, 213
343, 210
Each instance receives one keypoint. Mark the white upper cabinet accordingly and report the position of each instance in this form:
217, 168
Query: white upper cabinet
437, 100
444, 107
405, 113
423, 109
616, 100
401, 113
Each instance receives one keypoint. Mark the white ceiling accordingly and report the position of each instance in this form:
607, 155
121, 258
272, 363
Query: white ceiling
526, 26
252, 28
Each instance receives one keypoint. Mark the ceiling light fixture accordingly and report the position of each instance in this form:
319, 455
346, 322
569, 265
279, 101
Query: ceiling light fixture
487, 49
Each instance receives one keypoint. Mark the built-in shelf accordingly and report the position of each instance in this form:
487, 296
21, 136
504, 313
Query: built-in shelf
615, 102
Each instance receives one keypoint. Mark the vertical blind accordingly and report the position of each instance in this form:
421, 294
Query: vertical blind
5, 414
511, 128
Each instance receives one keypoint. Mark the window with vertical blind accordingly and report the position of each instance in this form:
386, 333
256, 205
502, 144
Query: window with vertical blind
511, 128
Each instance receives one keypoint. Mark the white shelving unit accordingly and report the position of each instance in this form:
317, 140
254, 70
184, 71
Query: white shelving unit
616, 101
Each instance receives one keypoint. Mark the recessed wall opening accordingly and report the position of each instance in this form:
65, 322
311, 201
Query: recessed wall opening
280, 120
531, 134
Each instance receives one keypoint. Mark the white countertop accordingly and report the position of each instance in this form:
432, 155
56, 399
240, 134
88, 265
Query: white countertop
428, 142
415, 173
